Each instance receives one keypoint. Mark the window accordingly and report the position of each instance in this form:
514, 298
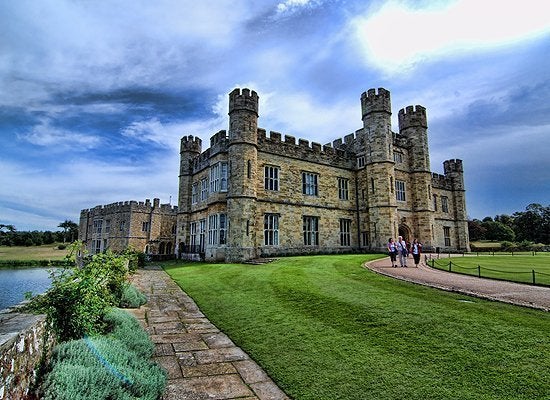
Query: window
145, 226
271, 229
218, 177
107, 226
202, 232
365, 238
193, 234
309, 184
400, 190
345, 232
447, 235
98, 225
213, 229
444, 204
174, 229
311, 231
195, 193
223, 229
271, 177
360, 161
122, 226
204, 189
435, 202
96, 246
398, 157
343, 189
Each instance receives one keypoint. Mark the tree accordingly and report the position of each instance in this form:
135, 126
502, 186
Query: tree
533, 224
498, 231
69, 229
476, 230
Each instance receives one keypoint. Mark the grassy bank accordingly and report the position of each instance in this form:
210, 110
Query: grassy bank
326, 328
517, 268
24, 253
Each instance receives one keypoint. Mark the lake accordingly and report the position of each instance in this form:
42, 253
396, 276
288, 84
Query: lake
15, 282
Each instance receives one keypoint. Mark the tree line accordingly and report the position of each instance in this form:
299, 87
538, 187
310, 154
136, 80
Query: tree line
531, 225
10, 236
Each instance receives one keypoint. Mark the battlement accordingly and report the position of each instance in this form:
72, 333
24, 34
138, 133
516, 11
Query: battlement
375, 102
453, 166
218, 138
412, 117
302, 149
190, 144
245, 100
130, 205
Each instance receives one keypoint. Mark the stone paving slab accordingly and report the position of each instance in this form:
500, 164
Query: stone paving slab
201, 362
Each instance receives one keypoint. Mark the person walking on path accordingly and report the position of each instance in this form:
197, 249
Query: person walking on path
402, 250
416, 250
392, 251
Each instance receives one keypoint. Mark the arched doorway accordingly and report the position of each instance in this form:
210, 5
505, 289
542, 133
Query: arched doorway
405, 232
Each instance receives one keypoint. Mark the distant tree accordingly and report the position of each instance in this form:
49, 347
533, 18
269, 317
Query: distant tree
498, 231
505, 219
476, 230
69, 229
48, 237
533, 224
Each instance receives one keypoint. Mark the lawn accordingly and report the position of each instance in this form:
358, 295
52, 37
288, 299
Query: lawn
518, 267
325, 328
24, 253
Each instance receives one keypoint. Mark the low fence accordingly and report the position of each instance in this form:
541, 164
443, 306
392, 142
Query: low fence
531, 276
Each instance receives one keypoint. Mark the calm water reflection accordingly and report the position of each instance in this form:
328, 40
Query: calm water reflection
15, 282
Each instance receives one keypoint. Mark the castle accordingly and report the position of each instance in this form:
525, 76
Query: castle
252, 195
144, 226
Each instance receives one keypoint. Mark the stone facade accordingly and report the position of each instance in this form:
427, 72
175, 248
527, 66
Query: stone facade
252, 195
144, 226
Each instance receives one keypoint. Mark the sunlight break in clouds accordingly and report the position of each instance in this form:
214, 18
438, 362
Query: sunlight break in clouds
398, 36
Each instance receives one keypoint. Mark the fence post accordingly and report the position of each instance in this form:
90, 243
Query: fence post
533, 271
479, 271
450, 263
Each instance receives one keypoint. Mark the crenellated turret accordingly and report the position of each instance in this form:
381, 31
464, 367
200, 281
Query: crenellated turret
413, 124
371, 102
453, 169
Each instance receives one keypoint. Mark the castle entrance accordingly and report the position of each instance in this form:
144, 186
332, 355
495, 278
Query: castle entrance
405, 232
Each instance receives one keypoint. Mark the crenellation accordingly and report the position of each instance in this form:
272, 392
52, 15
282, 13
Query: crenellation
290, 140
303, 143
412, 116
275, 136
316, 147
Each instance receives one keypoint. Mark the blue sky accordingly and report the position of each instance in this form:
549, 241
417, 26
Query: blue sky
95, 96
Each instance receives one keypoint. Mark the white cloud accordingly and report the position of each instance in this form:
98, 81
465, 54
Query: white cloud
56, 138
398, 36
292, 5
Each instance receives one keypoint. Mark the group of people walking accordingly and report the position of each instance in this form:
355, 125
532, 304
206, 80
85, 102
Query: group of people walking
401, 249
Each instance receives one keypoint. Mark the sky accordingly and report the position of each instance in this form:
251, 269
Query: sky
95, 96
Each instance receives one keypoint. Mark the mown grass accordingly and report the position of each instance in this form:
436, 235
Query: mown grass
517, 268
325, 328
24, 253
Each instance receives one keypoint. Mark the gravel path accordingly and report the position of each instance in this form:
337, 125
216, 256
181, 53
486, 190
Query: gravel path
508, 292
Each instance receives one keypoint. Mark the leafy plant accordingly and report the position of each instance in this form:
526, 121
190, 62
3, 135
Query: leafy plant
131, 297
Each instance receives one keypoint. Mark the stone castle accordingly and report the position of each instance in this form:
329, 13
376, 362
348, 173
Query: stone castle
144, 226
253, 195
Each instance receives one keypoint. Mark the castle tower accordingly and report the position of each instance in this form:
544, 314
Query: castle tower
454, 171
241, 194
190, 147
382, 205
413, 124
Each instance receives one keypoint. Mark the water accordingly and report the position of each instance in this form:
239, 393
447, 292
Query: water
15, 282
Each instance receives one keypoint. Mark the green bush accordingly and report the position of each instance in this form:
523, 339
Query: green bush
131, 297
113, 366
79, 298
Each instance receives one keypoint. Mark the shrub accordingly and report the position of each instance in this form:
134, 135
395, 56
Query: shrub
113, 366
131, 297
61, 247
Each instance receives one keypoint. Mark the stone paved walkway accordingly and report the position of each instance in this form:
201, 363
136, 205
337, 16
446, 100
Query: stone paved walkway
508, 292
201, 361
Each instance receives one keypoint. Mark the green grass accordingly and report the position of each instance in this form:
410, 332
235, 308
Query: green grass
24, 253
517, 267
325, 328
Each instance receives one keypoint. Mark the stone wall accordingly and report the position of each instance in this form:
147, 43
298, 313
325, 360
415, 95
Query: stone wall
21, 347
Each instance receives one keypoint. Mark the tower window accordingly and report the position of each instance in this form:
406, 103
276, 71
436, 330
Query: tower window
445, 204
447, 235
400, 190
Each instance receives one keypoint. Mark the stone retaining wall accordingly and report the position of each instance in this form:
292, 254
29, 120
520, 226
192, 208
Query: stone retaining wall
21, 346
